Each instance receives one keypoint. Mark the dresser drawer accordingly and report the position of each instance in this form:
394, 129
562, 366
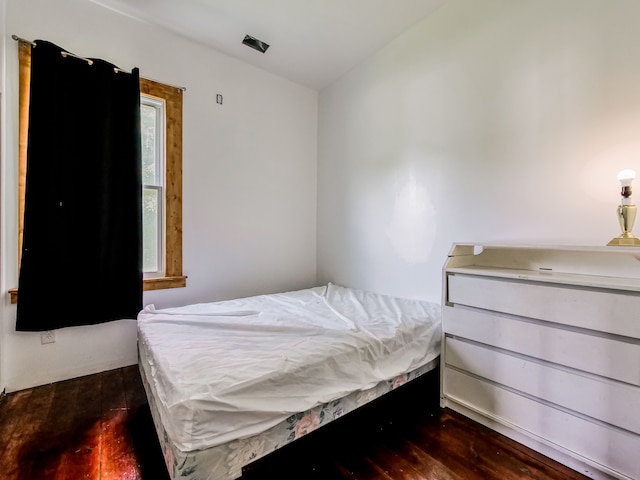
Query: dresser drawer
590, 441
612, 311
608, 357
611, 402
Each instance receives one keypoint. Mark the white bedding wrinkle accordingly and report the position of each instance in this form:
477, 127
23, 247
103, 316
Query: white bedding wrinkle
227, 370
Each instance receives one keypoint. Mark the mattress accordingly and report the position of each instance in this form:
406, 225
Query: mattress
227, 371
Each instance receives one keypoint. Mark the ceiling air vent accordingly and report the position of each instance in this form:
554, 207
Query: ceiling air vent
255, 43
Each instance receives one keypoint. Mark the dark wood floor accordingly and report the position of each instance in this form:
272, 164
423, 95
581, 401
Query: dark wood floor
99, 427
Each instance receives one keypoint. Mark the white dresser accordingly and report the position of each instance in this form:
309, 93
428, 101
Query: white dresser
543, 345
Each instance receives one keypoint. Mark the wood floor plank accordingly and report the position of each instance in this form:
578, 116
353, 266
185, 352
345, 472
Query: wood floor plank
407, 460
134, 390
83, 455
429, 466
49, 455
423, 458
490, 454
117, 458
12, 409
361, 468
451, 452
387, 446
392, 465
487, 455
100, 428
24, 441
149, 455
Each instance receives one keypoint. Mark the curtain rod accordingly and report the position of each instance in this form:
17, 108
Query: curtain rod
88, 60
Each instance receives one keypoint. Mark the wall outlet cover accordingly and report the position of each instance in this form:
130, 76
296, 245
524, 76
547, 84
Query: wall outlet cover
47, 337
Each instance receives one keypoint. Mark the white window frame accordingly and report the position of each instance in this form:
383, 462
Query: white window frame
159, 105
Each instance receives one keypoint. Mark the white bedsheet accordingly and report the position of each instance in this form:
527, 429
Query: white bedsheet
232, 369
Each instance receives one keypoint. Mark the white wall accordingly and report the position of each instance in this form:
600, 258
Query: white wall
489, 121
249, 180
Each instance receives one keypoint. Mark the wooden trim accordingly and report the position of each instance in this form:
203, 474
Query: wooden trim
14, 295
24, 56
24, 87
173, 173
164, 282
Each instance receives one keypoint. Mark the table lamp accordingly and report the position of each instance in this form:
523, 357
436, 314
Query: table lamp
626, 212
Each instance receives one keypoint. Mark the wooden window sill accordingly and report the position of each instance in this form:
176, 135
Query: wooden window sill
161, 283
164, 282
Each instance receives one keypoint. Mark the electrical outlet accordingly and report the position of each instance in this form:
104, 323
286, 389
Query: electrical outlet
47, 337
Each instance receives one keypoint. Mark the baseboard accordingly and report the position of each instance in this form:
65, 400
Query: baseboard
69, 374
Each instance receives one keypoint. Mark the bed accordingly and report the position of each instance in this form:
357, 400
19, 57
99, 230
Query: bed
229, 382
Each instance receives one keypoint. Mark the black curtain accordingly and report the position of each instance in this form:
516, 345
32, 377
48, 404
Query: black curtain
82, 249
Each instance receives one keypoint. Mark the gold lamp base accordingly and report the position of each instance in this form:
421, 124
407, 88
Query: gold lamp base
626, 217
621, 241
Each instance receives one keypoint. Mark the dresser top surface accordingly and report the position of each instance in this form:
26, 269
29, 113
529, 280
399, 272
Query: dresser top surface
615, 267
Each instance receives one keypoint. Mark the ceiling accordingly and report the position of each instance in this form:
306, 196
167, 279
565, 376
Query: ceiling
312, 42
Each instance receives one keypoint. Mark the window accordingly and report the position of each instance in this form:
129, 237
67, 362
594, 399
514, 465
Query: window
161, 107
161, 129
152, 132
